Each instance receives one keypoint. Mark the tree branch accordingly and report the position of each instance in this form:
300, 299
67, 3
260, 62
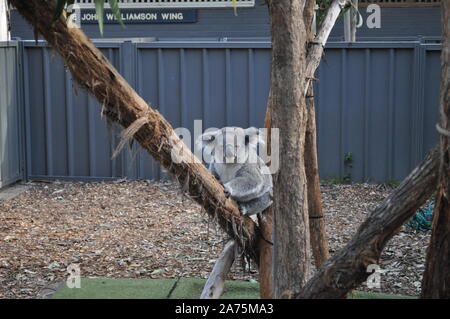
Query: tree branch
348, 267
214, 285
121, 104
316, 46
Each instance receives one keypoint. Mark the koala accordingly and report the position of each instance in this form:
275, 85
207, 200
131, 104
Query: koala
231, 156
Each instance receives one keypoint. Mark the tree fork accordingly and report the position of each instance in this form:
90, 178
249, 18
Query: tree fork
121, 104
313, 57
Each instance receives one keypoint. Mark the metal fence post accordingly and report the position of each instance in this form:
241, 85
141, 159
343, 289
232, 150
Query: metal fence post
128, 55
418, 100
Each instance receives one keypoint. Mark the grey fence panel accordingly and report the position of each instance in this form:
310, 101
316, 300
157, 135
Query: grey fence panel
11, 163
66, 136
376, 105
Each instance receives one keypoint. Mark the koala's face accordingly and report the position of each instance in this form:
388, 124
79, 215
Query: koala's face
230, 145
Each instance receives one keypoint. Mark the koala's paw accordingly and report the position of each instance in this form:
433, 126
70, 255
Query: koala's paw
227, 191
243, 210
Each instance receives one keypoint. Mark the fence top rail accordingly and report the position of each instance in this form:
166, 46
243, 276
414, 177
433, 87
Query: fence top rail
9, 44
236, 44
42, 43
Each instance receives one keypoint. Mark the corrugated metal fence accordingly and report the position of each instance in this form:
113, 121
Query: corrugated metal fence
377, 104
11, 128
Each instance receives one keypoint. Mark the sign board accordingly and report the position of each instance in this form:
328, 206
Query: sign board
131, 16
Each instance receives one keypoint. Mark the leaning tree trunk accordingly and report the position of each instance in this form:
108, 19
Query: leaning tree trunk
347, 268
121, 104
436, 279
291, 250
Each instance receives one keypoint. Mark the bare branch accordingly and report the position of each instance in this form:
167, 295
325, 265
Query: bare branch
317, 45
348, 267
214, 285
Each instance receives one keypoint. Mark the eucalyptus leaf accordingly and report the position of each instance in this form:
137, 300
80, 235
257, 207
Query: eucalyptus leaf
235, 7
100, 10
115, 10
157, 271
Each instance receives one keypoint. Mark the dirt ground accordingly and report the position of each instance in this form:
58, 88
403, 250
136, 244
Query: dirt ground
144, 229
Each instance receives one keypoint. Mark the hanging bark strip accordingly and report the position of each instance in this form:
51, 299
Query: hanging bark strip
347, 269
121, 104
436, 279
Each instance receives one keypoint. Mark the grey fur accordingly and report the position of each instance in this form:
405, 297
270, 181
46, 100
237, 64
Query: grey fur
245, 176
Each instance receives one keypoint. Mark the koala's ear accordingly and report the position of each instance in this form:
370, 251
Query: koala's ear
262, 137
206, 138
255, 136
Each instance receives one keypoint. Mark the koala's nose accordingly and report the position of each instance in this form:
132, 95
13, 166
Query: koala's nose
229, 150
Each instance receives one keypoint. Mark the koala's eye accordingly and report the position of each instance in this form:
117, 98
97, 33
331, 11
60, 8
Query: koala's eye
213, 138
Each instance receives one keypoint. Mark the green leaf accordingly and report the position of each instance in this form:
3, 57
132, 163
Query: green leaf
235, 7
115, 10
59, 9
157, 271
100, 10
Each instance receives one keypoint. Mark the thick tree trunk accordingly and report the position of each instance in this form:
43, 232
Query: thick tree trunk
123, 105
347, 269
214, 285
319, 242
436, 279
291, 250
314, 54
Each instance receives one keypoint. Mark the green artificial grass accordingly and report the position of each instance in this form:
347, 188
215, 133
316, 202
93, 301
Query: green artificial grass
191, 288
122, 288
183, 288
